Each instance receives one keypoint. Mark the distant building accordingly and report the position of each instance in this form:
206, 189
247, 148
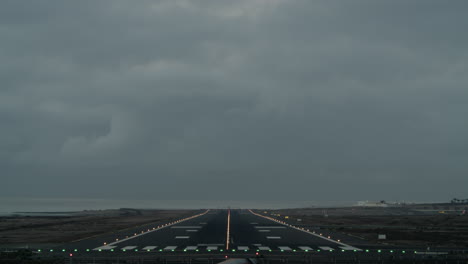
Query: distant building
372, 204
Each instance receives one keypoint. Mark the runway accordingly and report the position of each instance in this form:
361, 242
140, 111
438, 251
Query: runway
213, 231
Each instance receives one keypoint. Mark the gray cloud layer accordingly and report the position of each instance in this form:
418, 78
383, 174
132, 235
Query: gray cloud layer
254, 99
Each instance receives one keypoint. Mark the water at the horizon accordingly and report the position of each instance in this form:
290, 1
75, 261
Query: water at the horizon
11, 205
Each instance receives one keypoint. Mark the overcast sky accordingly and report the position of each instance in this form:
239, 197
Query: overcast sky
234, 100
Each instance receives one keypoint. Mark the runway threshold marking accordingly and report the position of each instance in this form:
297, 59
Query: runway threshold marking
191, 247
107, 247
149, 248
351, 248
182, 237
228, 228
284, 248
326, 248
305, 231
305, 248
129, 247
155, 229
273, 237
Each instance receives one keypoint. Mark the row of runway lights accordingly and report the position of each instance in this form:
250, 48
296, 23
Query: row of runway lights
161, 226
233, 250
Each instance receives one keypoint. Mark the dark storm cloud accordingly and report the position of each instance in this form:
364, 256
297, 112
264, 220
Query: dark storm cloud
178, 99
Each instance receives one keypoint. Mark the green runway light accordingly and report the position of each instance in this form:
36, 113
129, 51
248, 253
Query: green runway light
245, 250
258, 250
63, 250
355, 250
185, 250
415, 252
112, 250
282, 250
76, 250
306, 250
51, 250
160, 250
233, 250
269, 250
342, 250
318, 250
331, 250
379, 250
39, 250
391, 251
403, 252
294, 250
147, 250
124, 250
100, 250
367, 250
87, 249
221, 250
172, 250
196, 250
209, 250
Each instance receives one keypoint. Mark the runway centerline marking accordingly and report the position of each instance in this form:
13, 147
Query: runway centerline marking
273, 237
228, 229
182, 237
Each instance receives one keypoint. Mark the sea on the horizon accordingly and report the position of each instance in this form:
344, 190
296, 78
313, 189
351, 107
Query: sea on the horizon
13, 205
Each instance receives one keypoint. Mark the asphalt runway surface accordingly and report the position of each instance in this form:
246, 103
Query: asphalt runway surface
209, 231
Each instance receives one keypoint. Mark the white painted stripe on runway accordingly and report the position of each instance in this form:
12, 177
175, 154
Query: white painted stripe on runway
105, 247
273, 237
129, 247
305, 248
242, 248
149, 248
170, 248
264, 248
270, 227
351, 248
257, 245
285, 248
191, 248
261, 230
326, 248
191, 230
182, 237
207, 245
254, 223
185, 227
212, 248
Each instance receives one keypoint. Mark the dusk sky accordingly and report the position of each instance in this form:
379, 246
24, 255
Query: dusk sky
234, 100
